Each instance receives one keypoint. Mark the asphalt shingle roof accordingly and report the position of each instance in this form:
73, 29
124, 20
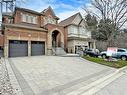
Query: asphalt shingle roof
68, 21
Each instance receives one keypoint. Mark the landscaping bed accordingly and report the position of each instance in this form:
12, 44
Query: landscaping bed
115, 64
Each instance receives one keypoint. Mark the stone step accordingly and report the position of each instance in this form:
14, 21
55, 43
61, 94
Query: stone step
70, 55
59, 51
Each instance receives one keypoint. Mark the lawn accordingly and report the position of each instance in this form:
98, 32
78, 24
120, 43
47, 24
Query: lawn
118, 64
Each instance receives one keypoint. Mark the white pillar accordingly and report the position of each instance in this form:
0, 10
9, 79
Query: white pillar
29, 48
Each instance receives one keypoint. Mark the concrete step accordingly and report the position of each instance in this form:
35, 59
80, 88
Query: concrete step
70, 55
59, 51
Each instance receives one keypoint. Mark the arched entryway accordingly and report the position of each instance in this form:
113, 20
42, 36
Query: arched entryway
55, 39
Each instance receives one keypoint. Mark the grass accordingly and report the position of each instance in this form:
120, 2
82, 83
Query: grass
117, 64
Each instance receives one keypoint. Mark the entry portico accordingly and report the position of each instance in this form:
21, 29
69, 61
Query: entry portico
55, 38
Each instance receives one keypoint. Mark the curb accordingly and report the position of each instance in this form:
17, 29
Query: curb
95, 86
13, 79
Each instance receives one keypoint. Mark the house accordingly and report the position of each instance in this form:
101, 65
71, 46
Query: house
30, 33
78, 37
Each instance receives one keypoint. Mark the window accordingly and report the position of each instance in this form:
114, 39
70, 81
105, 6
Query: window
49, 19
23, 17
120, 50
29, 18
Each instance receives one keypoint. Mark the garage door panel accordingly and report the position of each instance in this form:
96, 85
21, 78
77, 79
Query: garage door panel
37, 48
18, 48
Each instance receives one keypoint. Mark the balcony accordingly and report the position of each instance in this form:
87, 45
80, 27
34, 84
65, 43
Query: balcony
79, 35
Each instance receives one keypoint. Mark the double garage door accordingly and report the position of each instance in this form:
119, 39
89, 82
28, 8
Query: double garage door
20, 48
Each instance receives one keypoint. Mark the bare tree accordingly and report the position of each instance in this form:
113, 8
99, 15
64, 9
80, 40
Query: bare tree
113, 10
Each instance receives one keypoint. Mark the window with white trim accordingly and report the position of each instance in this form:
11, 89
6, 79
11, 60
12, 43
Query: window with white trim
29, 18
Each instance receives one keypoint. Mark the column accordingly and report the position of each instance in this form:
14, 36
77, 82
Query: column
49, 44
29, 48
6, 48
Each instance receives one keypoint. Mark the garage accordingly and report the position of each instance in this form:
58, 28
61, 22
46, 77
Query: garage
18, 48
37, 48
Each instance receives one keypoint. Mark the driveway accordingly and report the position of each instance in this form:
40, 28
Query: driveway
53, 75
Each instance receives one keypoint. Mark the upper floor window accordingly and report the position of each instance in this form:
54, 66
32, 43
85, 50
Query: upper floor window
50, 19
29, 18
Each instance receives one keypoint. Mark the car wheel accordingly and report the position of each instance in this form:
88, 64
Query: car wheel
103, 56
123, 58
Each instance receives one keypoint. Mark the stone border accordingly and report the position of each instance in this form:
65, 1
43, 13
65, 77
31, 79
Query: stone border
13, 79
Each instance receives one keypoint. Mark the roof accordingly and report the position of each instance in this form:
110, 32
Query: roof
38, 13
49, 8
69, 20
28, 10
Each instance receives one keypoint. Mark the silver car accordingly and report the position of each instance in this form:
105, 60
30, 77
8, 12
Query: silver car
120, 54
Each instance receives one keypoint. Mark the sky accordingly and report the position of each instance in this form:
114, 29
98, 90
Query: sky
62, 8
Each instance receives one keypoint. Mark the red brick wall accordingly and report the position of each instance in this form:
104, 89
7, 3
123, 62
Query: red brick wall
18, 18
25, 34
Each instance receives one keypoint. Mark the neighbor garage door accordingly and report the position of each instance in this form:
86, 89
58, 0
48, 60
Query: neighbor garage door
37, 48
18, 48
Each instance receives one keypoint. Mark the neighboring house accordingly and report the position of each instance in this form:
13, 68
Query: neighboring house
29, 33
78, 37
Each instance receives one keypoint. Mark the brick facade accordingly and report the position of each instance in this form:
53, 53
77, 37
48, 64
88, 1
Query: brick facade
24, 31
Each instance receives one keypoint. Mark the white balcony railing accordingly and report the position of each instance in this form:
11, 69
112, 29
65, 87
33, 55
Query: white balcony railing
79, 35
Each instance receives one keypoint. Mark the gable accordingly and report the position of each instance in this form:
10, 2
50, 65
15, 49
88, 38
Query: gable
50, 13
77, 19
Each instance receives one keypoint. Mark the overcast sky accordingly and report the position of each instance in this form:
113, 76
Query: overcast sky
62, 8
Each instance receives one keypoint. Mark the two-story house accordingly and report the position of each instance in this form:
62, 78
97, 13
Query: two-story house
78, 37
29, 33
26, 32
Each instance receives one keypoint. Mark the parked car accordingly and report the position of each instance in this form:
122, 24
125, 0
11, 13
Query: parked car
120, 54
92, 52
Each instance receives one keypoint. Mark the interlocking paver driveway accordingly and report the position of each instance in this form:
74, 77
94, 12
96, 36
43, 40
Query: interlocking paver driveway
52, 75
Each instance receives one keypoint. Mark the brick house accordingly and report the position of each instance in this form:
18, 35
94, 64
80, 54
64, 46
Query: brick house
78, 37
29, 33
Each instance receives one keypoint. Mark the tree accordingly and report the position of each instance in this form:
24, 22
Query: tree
112, 16
91, 24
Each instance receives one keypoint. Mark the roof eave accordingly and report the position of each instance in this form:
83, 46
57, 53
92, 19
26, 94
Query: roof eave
25, 27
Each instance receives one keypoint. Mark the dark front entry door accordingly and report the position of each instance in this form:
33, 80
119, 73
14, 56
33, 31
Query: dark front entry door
18, 48
37, 48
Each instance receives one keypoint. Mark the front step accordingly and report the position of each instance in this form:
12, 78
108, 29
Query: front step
59, 51
71, 55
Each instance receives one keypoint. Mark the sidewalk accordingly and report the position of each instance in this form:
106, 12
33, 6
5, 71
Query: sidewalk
112, 84
117, 87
